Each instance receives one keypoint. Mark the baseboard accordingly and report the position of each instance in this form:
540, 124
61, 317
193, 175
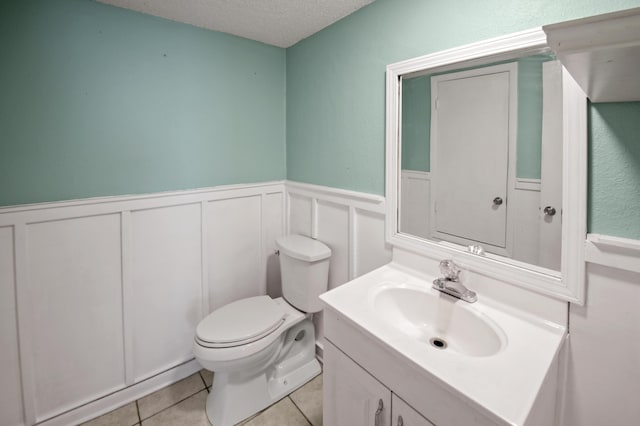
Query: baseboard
122, 397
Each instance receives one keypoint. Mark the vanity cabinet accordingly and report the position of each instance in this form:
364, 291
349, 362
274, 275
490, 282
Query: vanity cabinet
354, 397
367, 361
404, 415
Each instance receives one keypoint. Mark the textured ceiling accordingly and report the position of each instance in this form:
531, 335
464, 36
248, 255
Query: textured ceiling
277, 22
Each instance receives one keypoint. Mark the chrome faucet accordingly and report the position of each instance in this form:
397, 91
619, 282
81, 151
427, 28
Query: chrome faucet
450, 283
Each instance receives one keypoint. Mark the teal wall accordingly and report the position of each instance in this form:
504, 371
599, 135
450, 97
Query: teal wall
529, 150
614, 169
336, 85
97, 100
416, 123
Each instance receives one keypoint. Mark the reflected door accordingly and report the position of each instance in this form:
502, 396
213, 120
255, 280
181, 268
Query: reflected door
470, 154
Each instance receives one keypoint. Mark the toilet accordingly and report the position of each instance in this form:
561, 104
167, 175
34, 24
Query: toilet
261, 349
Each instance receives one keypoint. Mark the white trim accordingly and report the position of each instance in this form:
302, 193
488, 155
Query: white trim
352, 238
574, 189
24, 315
135, 197
314, 217
601, 53
415, 174
128, 307
614, 252
571, 286
263, 246
524, 184
505, 47
57, 210
204, 205
337, 195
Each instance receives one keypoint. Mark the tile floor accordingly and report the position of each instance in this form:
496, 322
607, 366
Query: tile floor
183, 403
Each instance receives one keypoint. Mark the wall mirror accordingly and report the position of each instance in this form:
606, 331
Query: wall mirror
486, 162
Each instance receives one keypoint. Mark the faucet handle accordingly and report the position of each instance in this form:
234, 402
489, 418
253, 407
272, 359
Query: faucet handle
450, 270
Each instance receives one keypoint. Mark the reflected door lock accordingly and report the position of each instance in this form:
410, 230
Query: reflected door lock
497, 201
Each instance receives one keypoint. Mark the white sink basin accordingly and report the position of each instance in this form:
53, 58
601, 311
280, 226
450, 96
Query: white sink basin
438, 321
496, 360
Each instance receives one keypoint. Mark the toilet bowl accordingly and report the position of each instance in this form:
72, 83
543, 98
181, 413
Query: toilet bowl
261, 349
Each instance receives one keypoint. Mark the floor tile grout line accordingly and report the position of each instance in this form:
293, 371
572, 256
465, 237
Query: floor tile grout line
172, 405
204, 382
138, 411
298, 408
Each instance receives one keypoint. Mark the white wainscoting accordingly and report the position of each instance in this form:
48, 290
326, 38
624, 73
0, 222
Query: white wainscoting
603, 378
99, 298
415, 203
350, 223
526, 224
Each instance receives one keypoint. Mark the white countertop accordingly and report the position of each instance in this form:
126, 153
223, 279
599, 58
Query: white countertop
506, 383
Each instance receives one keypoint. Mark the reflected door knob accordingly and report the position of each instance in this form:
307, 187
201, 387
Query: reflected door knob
497, 201
549, 211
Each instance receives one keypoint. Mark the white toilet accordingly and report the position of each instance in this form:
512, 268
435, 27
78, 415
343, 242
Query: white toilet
261, 349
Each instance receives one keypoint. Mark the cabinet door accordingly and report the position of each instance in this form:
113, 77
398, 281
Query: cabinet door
404, 415
352, 397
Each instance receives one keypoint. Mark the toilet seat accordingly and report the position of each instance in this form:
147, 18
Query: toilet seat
240, 322
209, 352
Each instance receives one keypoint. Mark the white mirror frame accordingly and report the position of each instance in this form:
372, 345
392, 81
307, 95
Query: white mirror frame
570, 284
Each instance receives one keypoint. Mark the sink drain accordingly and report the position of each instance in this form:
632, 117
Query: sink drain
438, 343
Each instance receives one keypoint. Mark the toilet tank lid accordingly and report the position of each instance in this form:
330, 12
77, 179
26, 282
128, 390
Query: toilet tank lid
303, 248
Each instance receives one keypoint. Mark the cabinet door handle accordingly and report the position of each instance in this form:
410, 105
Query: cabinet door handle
400, 422
379, 413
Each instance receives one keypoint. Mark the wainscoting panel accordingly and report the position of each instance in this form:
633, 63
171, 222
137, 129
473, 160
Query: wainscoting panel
273, 227
603, 380
74, 320
99, 298
415, 203
234, 250
333, 230
11, 400
371, 250
350, 223
165, 286
300, 214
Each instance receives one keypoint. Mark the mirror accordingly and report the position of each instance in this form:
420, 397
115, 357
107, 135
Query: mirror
482, 143
481, 158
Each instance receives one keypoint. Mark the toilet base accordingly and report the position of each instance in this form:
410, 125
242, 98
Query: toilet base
236, 396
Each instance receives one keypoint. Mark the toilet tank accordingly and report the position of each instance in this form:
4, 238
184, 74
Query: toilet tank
304, 267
